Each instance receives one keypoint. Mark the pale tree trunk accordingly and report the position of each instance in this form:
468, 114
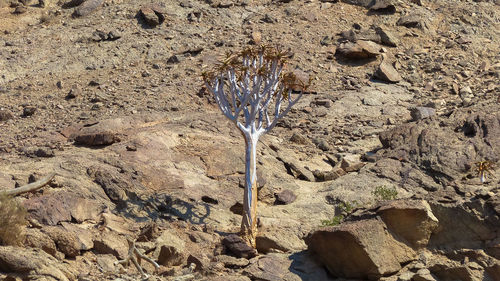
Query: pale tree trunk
249, 221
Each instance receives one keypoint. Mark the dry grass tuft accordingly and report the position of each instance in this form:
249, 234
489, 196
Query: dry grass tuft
12, 221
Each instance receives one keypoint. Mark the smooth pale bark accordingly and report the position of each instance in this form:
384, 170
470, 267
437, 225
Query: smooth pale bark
249, 221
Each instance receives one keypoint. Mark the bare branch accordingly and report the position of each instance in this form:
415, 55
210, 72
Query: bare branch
133, 255
29, 187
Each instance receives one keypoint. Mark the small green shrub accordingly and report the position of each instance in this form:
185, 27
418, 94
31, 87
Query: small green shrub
12, 221
345, 209
336, 220
383, 193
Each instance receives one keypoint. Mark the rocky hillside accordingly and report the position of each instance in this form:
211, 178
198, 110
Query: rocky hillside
387, 168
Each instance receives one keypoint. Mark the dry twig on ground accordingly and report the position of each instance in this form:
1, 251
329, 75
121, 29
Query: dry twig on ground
29, 187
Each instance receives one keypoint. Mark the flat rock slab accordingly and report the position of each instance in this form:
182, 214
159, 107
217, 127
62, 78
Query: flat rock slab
35, 263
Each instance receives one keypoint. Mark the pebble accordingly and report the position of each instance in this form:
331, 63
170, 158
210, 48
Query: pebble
5, 115
28, 111
285, 197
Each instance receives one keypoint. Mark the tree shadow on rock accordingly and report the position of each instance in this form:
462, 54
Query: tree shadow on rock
163, 206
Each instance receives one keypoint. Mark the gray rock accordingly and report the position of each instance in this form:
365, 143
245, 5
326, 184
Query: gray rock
420, 142
270, 268
298, 170
107, 263
413, 20
384, 6
328, 175
322, 144
359, 50
419, 112
387, 37
299, 139
87, 7
324, 102
285, 197
362, 3
96, 138
372, 101
28, 111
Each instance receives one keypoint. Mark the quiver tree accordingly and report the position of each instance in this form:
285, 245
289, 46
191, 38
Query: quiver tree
252, 89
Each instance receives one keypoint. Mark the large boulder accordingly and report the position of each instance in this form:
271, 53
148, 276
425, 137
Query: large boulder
359, 249
411, 221
170, 249
447, 148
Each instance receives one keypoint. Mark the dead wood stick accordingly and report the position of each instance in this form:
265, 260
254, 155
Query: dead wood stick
134, 255
29, 187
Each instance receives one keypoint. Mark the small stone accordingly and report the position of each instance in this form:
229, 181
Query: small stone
412, 21
5, 115
324, 102
87, 7
238, 247
149, 16
73, 93
351, 163
322, 144
386, 72
173, 60
44, 152
28, 111
328, 175
466, 91
285, 197
384, 6
170, 250
386, 37
96, 139
20, 10
299, 139
359, 50
419, 112
131, 147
